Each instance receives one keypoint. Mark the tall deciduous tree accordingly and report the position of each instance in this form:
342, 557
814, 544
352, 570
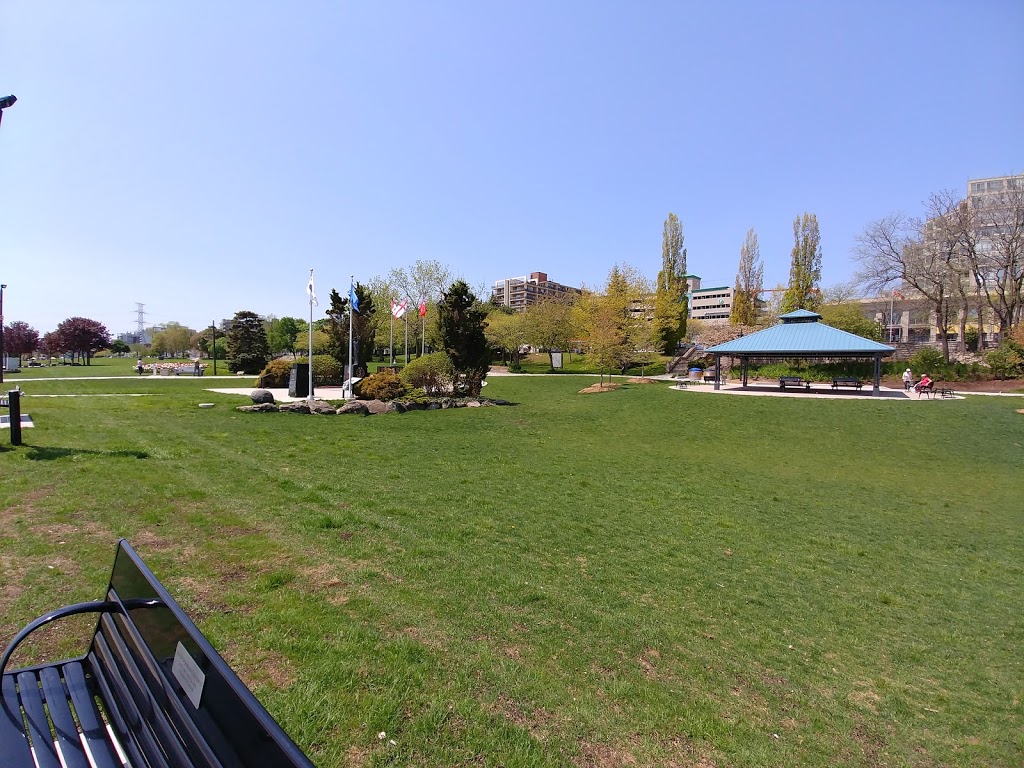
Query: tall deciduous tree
670, 306
247, 347
549, 324
284, 333
805, 268
507, 331
20, 338
83, 336
749, 283
460, 321
996, 220
894, 250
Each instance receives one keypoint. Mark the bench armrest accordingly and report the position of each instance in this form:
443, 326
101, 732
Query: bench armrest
96, 606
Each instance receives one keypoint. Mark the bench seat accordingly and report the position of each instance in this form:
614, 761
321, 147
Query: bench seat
847, 381
795, 381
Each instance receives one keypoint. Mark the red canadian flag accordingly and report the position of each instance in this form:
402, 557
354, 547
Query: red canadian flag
423, 309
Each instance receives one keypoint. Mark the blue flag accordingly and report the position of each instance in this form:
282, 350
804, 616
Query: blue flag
353, 298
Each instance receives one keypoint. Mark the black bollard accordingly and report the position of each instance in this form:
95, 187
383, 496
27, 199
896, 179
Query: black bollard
14, 401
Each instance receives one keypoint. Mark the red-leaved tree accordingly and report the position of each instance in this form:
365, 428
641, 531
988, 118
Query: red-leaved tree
20, 338
84, 337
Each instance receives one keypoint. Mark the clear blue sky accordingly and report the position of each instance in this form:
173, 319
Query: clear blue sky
200, 157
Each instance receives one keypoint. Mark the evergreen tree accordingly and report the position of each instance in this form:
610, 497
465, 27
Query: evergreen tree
670, 304
805, 269
363, 328
749, 283
460, 320
247, 343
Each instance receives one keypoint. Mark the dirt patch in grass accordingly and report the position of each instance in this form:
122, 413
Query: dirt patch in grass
258, 667
200, 597
648, 661
870, 743
867, 699
603, 756
538, 723
594, 388
88, 529
639, 380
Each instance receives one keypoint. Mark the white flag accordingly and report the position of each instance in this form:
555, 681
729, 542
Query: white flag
398, 309
310, 291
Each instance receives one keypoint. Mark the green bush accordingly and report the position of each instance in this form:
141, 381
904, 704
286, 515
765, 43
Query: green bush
276, 373
927, 360
326, 370
431, 373
381, 386
1006, 362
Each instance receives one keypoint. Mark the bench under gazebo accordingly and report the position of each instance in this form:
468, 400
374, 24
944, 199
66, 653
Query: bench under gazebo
801, 335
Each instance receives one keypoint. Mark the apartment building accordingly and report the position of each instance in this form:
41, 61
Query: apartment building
709, 305
522, 292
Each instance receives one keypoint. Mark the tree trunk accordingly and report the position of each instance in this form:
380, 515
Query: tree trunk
963, 329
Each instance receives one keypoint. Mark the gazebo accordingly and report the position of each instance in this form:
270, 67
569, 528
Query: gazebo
801, 335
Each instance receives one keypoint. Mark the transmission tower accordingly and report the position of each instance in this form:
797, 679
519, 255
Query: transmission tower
140, 328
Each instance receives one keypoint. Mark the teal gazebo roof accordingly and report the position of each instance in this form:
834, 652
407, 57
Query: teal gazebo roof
801, 334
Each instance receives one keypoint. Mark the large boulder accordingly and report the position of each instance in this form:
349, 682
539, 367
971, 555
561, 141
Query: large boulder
379, 406
299, 406
353, 406
321, 408
262, 396
259, 408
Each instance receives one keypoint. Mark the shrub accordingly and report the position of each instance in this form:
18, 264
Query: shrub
326, 370
381, 386
430, 373
927, 360
276, 373
1006, 362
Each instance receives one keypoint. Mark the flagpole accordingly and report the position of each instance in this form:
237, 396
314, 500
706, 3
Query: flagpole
351, 312
309, 395
406, 316
391, 341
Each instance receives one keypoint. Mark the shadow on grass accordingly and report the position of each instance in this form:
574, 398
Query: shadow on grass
43, 453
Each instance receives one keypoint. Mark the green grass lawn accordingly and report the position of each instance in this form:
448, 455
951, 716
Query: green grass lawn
641, 577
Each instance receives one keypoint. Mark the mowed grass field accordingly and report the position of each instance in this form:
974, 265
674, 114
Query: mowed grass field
640, 577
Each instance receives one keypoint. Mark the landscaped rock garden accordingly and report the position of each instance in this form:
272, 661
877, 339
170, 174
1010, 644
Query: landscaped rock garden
263, 402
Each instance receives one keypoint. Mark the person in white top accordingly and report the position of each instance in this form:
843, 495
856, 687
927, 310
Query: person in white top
908, 379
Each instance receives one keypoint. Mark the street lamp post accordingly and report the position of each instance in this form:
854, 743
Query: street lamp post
3, 357
5, 102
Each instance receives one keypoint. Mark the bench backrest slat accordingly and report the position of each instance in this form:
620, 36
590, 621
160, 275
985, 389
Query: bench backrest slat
229, 727
145, 722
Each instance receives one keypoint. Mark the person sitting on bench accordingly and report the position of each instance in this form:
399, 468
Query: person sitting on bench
923, 383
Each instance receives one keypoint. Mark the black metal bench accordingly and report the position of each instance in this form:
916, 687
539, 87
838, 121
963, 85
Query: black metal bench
928, 389
795, 381
150, 688
847, 381
947, 394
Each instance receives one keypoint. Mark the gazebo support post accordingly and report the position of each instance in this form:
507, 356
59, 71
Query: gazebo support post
878, 375
718, 371
746, 360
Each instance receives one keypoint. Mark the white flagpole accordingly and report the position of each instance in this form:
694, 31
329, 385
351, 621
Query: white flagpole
351, 311
391, 341
406, 316
312, 298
